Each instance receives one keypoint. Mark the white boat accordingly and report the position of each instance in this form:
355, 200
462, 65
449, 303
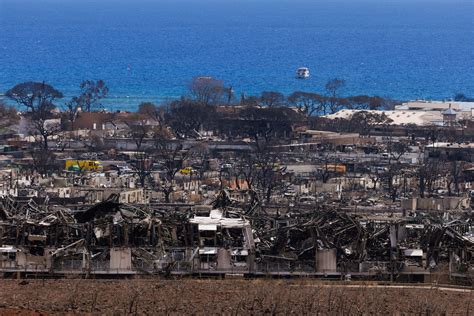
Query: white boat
302, 73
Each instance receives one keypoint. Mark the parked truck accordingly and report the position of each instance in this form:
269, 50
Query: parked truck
83, 165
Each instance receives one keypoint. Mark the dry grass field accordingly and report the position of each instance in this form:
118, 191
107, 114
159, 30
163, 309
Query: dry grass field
230, 297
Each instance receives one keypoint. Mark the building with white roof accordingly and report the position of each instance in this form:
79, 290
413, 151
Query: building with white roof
398, 117
420, 113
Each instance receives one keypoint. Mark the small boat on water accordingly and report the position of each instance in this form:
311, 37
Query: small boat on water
302, 73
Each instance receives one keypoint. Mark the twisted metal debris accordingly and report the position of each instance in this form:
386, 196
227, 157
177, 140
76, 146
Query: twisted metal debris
223, 238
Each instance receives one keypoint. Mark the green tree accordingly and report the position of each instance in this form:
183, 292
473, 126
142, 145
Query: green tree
38, 98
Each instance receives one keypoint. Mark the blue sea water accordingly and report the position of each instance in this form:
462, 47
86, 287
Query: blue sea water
149, 50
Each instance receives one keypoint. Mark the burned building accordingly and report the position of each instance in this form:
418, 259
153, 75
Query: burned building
111, 238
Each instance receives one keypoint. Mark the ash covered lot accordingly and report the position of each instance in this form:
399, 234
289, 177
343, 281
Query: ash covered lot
231, 297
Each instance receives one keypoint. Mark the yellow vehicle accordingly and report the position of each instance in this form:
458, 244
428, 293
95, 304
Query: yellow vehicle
186, 171
83, 165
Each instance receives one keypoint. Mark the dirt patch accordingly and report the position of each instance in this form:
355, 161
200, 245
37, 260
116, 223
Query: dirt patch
230, 297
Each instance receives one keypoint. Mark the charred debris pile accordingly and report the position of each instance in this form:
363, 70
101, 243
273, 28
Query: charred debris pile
223, 238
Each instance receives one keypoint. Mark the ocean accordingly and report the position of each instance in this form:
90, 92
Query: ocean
150, 50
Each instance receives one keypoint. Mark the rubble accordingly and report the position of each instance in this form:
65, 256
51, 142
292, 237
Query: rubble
114, 238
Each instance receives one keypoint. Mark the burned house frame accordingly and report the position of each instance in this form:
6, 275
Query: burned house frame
110, 238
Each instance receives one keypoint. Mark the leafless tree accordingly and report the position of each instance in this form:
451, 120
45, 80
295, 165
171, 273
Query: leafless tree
186, 117
200, 156
206, 90
428, 172
42, 157
269, 174
245, 169
309, 103
142, 166
229, 94
332, 88
260, 168
272, 99
326, 164
397, 149
454, 175
91, 94
393, 179
365, 102
71, 112
152, 111
375, 175
171, 156
139, 128
139, 131
94, 143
